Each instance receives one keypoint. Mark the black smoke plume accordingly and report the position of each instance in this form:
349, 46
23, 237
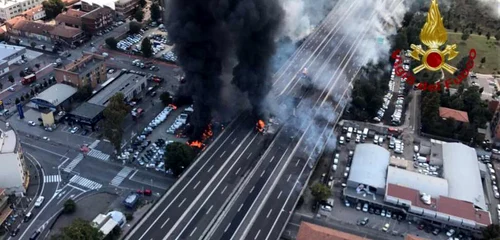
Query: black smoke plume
255, 24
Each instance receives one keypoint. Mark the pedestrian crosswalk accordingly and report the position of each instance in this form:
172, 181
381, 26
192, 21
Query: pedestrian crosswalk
73, 163
84, 182
51, 178
98, 154
118, 179
95, 143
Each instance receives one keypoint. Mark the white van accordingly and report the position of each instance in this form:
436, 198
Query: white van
365, 132
39, 201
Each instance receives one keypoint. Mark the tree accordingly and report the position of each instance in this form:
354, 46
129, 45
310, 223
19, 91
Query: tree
27, 96
83, 93
32, 92
146, 48
37, 65
491, 232
483, 60
320, 191
11, 79
142, 3
45, 84
22, 74
178, 156
1, 86
465, 36
79, 230
43, 47
111, 42
52, 8
17, 101
139, 15
114, 115
33, 44
456, 29
22, 98
497, 36
69, 206
155, 12
488, 35
165, 98
134, 27
18, 41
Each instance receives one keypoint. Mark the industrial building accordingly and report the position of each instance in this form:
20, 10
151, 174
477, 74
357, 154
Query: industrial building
14, 176
56, 97
442, 196
9, 54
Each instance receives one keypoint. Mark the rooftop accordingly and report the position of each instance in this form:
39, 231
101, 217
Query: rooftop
125, 83
309, 231
9, 50
94, 14
56, 94
458, 115
8, 142
65, 31
84, 64
6, 4
369, 165
33, 11
433, 186
72, 17
88, 110
102, 3
24, 25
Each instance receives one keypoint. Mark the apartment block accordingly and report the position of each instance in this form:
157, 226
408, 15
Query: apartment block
13, 8
89, 69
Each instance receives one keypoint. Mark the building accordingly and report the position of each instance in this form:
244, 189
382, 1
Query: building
309, 231
54, 98
89, 69
98, 20
106, 223
459, 116
436, 191
9, 54
87, 114
34, 14
14, 176
68, 36
89, 5
125, 8
130, 84
70, 18
12, 8
5, 210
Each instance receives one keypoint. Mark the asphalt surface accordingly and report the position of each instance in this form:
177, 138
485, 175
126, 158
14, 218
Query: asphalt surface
254, 191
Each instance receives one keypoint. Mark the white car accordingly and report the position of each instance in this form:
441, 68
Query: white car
31, 123
450, 232
39, 201
74, 130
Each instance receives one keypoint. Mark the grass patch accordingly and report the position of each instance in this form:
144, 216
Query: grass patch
484, 48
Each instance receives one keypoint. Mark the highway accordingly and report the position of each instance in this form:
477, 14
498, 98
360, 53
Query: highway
227, 185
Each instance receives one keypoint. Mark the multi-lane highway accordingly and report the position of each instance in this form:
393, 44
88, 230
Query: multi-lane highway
239, 187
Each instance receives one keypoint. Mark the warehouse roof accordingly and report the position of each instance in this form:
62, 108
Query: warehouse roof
433, 186
88, 110
56, 94
461, 170
369, 165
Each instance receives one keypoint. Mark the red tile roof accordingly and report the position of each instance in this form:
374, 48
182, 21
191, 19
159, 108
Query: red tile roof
309, 231
72, 17
65, 31
443, 204
30, 12
32, 27
460, 116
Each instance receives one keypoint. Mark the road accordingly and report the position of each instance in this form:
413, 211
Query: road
190, 213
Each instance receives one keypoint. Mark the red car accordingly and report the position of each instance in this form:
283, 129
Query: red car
146, 192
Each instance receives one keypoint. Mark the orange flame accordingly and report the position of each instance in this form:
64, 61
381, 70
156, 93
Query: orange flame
197, 144
208, 133
173, 106
261, 125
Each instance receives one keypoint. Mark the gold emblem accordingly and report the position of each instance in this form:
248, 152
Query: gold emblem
434, 35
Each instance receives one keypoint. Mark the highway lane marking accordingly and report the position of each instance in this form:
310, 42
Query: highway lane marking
182, 202
249, 155
223, 190
279, 195
288, 179
257, 235
133, 174
157, 205
195, 186
238, 171
269, 213
262, 174
234, 140
251, 190
240, 207
298, 160
195, 201
192, 232
225, 230
209, 209
210, 169
270, 161
222, 154
163, 225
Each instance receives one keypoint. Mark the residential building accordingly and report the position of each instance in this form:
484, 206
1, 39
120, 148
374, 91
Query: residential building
12, 8
98, 20
125, 8
5, 210
70, 18
68, 36
14, 176
309, 231
459, 116
89, 5
435, 193
89, 69
9, 54
34, 14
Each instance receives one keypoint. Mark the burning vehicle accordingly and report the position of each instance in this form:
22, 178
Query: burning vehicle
270, 128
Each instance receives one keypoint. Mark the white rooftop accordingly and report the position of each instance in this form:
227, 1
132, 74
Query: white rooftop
102, 3
369, 165
433, 186
7, 141
57, 93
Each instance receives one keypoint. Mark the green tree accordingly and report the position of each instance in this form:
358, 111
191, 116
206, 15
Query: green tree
114, 115
497, 36
18, 41
79, 230
1, 86
27, 96
491, 232
483, 60
155, 12
69, 206
488, 35
83, 93
178, 157
11, 79
142, 3
165, 98
32, 92
139, 15
146, 48
17, 101
134, 27
22, 99
111, 42
37, 65
33, 44
52, 8
22, 74
320, 191
465, 36
45, 84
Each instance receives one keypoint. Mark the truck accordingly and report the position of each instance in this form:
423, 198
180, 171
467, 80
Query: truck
28, 79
